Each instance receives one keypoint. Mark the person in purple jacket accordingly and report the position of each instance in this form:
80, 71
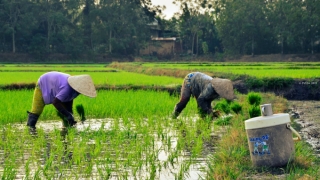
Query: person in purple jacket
205, 89
59, 89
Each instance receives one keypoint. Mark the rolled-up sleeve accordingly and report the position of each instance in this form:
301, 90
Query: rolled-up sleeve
205, 97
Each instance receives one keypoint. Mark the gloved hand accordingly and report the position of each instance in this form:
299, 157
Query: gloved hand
68, 117
71, 120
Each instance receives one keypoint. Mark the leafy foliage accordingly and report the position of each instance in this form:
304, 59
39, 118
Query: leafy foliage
220, 28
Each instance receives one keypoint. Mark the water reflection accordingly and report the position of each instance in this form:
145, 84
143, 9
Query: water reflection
165, 163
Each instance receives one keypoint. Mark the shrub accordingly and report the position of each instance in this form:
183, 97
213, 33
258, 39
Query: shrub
269, 83
253, 82
277, 83
254, 99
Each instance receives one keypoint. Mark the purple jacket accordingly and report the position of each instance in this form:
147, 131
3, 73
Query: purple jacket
55, 85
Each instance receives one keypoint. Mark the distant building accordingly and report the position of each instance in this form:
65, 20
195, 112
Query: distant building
159, 45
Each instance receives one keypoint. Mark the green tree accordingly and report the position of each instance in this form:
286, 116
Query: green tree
310, 18
52, 19
196, 25
240, 24
16, 18
280, 18
121, 26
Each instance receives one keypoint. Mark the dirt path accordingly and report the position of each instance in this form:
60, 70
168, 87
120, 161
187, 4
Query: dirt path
307, 115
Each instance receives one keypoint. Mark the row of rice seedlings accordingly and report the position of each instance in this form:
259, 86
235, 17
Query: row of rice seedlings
114, 104
130, 143
99, 78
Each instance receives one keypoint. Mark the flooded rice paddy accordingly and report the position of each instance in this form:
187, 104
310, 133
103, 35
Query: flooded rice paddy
87, 152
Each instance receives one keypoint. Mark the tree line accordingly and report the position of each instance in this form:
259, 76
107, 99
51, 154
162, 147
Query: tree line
75, 27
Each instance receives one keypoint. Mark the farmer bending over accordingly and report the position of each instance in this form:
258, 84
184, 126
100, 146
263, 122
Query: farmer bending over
205, 89
59, 89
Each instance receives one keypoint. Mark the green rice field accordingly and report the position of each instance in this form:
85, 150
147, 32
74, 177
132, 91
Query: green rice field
129, 134
133, 127
266, 69
99, 78
115, 104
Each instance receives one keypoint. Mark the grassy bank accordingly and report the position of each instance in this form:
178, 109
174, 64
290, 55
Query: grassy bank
232, 160
228, 70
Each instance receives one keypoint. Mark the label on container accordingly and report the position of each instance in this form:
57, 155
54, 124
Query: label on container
260, 145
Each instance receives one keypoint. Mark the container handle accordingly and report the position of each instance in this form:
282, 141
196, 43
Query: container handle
298, 138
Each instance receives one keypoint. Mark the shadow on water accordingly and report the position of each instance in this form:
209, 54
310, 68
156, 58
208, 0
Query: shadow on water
166, 161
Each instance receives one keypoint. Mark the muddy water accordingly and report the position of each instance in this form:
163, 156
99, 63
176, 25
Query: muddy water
304, 113
193, 171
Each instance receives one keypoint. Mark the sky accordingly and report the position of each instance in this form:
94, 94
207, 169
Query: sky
170, 8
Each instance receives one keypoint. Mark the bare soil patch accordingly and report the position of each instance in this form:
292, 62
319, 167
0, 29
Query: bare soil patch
307, 115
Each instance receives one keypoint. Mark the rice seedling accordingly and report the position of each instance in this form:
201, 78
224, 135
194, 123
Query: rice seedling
236, 107
80, 111
129, 147
254, 100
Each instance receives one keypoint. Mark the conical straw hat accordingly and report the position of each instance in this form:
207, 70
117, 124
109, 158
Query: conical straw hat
83, 84
223, 87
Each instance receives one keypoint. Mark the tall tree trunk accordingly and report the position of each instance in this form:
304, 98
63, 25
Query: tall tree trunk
48, 35
312, 46
181, 46
110, 46
13, 42
87, 24
282, 45
197, 44
48, 25
194, 35
252, 46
